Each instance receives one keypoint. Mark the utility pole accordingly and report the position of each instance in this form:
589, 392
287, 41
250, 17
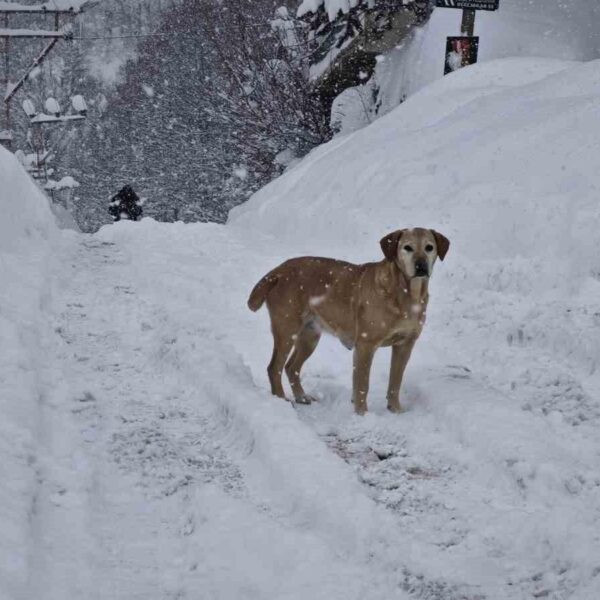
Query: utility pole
467, 26
7, 35
6, 134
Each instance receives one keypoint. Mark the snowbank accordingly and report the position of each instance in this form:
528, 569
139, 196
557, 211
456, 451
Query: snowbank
505, 150
27, 232
26, 222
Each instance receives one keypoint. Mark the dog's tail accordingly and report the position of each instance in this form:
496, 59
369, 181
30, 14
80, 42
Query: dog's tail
259, 294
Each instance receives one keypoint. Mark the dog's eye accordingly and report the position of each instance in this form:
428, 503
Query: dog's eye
408, 248
429, 248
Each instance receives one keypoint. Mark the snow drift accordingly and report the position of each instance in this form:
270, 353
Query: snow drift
500, 156
27, 233
26, 222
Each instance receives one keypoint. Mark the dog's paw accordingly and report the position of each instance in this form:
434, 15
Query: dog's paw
360, 408
395, 408
306, 399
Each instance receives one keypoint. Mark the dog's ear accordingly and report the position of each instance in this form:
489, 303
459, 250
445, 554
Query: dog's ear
442, 243
389, 243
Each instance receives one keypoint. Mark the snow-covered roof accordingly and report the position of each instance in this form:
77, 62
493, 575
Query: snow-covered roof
74, 6
333, 7
65, 183
44, 118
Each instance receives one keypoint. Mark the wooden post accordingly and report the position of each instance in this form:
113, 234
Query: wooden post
36, 63
467, 26
7, 80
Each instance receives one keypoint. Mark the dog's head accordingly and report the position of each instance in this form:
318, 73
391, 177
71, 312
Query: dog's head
414, 251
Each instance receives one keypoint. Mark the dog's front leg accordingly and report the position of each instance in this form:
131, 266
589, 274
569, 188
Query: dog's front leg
363, 357
400, 355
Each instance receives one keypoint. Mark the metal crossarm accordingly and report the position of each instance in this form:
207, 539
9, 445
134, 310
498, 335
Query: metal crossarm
35, 33
60, 7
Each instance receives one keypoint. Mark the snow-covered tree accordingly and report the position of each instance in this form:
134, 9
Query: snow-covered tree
347, 35
335, 23
209, 111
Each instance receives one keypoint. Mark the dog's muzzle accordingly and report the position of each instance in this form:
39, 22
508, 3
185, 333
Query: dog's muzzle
421, 269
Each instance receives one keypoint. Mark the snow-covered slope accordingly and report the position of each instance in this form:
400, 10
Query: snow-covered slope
498, 156
27, 234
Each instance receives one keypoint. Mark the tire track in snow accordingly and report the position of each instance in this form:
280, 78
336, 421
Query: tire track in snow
131, 448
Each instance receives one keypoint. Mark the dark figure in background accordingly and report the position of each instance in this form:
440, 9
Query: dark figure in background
126, 205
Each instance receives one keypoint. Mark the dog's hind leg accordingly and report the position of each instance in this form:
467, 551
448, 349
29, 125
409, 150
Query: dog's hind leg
284, 334
281, 349
306, 342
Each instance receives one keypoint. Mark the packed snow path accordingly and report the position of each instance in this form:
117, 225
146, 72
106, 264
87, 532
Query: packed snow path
114, 511
166, 470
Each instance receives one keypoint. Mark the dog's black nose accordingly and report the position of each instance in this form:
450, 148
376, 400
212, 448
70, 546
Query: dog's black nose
421, 269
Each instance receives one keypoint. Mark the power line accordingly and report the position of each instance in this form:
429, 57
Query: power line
165, 34
137, 35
